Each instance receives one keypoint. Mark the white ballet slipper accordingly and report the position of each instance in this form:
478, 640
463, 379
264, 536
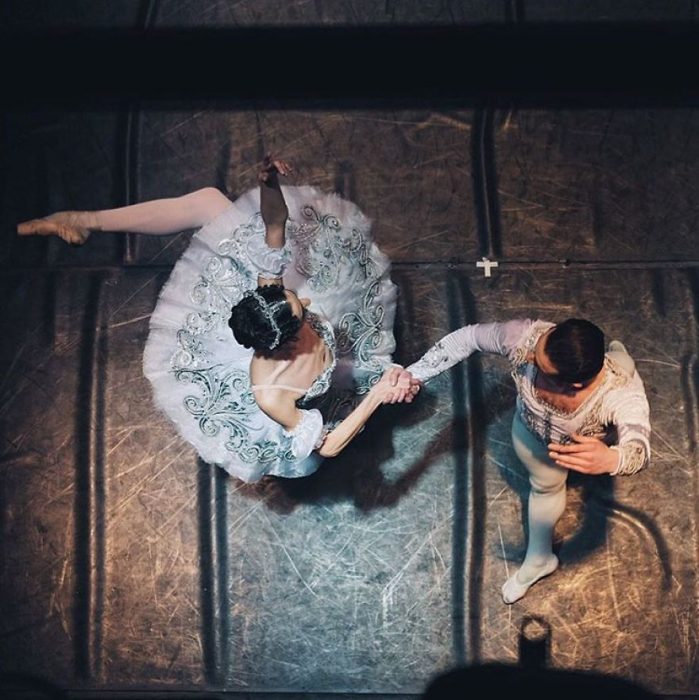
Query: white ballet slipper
513, 589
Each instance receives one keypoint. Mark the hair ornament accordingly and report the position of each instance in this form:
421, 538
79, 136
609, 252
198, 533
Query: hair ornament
268, 314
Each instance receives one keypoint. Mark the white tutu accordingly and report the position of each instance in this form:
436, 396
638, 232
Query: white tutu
200, 374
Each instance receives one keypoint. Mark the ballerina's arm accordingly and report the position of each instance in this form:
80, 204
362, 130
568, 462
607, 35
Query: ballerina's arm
304, 427
338, 439
273, 208
280, 406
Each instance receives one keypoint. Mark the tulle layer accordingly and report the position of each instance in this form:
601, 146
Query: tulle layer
200, 375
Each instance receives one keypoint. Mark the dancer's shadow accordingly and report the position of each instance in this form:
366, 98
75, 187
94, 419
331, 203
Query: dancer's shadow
600, 505
592, 532
356, 474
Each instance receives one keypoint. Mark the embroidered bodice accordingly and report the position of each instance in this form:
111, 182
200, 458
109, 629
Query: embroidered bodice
321, 384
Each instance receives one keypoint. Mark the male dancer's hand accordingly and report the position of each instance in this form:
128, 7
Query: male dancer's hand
404, 387
588, 455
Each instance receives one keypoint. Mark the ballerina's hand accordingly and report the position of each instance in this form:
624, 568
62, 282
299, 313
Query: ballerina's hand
397, 385
272, 166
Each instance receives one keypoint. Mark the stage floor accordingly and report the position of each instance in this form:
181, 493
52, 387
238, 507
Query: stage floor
127, 564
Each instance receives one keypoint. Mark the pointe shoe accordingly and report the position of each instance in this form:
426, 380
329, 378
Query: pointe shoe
64, 224
513, 589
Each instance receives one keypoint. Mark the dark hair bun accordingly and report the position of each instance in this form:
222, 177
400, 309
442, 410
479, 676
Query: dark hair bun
250, 321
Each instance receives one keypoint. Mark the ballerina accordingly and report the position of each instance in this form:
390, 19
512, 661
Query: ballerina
270, 345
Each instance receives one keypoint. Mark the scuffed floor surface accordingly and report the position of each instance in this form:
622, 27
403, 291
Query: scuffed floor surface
127, 564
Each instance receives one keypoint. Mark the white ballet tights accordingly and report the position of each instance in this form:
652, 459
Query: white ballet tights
160, 216
547, 501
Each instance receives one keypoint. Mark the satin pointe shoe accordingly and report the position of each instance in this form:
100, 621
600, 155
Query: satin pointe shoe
68, 225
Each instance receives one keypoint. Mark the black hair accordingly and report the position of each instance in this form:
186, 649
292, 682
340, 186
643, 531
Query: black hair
576, 349
252, 328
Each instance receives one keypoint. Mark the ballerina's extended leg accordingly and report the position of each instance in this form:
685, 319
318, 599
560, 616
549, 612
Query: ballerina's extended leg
157, 217
72, 226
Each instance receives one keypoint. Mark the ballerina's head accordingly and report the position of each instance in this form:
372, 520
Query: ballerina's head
571, 353
267, 318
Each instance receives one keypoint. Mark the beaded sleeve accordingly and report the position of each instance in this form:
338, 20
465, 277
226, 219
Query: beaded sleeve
500, 338
627, 409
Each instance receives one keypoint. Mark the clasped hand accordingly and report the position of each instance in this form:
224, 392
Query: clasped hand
397, 385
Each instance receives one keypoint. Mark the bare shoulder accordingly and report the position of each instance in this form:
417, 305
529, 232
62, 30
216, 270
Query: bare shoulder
273, 399
279, 404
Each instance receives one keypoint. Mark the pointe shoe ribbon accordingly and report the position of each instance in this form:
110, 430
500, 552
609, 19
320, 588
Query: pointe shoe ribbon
63, 224
513, 589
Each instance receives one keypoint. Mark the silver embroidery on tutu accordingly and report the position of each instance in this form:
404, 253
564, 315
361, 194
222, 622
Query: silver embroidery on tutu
200, 375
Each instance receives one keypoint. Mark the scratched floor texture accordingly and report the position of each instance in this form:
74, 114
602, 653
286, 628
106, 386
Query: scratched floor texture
128, 565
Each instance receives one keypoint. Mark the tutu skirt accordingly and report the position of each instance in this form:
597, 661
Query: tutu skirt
200, 374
